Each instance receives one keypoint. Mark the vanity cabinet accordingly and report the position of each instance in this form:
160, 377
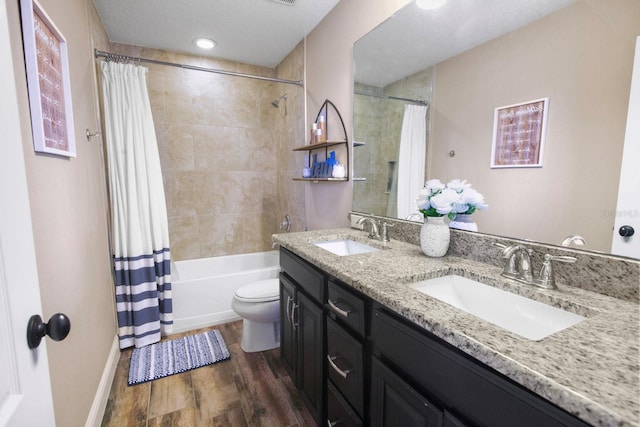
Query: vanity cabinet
356, 362
302, 292
467, 391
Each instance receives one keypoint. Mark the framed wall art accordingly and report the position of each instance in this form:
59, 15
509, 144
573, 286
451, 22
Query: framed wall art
48, 81
518, 134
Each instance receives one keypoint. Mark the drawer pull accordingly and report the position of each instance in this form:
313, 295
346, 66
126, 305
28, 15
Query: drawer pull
289, 299
340, 372
294, 309
338, 310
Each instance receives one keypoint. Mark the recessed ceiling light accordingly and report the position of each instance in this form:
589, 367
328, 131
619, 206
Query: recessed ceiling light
204, 43
430, 4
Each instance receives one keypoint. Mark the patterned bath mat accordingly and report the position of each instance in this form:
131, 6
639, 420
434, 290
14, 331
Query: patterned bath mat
175, 356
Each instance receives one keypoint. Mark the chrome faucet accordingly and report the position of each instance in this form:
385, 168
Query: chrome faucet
518, 266
518, 263
411, 217
373, 232
575, 240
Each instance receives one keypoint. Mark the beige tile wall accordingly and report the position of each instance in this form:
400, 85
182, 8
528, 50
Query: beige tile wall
225, 152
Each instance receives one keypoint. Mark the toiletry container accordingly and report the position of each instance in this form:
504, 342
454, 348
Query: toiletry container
338, 171
322, 127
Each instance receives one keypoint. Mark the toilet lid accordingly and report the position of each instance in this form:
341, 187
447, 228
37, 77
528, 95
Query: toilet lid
262, 291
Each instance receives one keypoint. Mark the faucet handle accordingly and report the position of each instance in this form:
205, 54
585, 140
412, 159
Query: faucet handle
546, 279
383, 232
560, 258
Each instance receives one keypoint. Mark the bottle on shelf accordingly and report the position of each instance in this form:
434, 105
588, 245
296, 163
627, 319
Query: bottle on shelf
322, 127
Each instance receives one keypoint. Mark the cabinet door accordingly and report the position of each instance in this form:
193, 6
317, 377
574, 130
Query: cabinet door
450, 420
310, 327
395, 403
287, 330
339, 414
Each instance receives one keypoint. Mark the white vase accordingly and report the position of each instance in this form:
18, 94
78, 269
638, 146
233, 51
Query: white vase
435, 236
463, 222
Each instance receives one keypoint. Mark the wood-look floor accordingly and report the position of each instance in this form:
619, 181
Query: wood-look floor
250, 389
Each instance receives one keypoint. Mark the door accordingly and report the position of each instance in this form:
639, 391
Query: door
628, 209
310, 319
287, 329
25, 390
396, 403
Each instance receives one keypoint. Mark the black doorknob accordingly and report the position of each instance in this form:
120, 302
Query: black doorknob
626, 231
58, 328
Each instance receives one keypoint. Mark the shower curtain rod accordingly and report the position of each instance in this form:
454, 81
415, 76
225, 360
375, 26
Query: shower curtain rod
415, 101
117, 57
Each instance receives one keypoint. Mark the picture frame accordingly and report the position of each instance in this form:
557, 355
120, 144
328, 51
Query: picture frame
48, 80
519, 132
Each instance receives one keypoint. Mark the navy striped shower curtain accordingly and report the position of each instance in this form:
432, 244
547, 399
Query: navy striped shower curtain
140, 235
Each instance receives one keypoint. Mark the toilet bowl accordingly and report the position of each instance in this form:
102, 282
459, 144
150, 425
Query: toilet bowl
258, 304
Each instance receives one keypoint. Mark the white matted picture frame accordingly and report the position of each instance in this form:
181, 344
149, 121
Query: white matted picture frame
47, 64
519, 134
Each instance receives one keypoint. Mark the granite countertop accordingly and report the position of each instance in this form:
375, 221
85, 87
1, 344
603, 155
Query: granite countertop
591, 370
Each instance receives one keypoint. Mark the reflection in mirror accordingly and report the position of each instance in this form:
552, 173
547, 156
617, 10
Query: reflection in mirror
579, 54
391, 121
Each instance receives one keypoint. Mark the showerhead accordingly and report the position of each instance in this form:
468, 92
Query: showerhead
276, 102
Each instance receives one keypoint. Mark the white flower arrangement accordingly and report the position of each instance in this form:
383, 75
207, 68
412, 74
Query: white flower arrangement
457, 197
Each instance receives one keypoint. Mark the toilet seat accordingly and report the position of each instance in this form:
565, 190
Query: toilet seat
261, 291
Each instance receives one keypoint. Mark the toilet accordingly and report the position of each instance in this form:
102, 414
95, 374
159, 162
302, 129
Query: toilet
258, 303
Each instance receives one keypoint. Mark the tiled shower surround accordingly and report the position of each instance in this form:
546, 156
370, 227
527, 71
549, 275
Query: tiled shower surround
226, 151
378, 123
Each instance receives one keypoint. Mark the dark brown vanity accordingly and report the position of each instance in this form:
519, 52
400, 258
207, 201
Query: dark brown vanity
356, 362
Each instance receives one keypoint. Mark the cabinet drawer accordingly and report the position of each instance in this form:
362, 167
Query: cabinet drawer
345, 360
460, 384
339, 413
347, 307
306, 276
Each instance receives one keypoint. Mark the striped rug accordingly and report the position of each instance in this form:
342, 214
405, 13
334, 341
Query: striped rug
175, 356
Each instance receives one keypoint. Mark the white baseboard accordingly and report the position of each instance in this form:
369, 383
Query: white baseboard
104, 388
196, 322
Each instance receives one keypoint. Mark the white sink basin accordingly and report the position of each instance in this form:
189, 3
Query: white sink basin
344, 247
525, 317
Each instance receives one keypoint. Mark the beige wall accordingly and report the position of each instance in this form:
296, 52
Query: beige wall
68, 211
581, 58
330, 76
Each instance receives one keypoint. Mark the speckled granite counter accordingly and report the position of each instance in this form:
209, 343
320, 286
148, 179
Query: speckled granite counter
591, 370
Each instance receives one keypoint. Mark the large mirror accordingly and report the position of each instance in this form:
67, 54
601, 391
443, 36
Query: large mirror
456, 65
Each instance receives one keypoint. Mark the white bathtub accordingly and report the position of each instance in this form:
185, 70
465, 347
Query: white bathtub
203, 288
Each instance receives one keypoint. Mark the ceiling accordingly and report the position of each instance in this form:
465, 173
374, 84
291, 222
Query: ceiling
259, 32
414, 39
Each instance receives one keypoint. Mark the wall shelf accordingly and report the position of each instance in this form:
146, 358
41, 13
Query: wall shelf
322, 179
320, 145
335, 116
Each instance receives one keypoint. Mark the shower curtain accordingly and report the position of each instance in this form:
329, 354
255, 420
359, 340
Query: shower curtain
140, 235
411, 158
